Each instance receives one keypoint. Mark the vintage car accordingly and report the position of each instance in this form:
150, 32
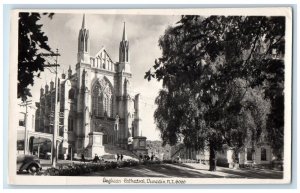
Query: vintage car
29, 163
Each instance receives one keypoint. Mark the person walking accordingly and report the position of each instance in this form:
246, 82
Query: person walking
118, 157
121, 157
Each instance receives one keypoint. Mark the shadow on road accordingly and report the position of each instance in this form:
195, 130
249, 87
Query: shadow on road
171, 171
242, 172
162, 170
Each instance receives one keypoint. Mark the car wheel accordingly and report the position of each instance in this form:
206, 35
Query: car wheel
33, 168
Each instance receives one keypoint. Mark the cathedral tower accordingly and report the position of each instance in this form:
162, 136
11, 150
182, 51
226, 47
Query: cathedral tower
124, 59
82, 87
83, 55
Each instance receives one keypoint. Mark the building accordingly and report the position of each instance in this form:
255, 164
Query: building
26, 118
253, 154
97, 105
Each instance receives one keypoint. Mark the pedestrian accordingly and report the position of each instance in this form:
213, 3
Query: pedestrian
152, 156
121, 157
118, 157
96, 159
82, 158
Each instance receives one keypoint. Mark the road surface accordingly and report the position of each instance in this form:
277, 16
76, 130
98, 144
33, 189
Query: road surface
188, 171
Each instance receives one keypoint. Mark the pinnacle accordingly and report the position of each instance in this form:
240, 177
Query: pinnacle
83, 22
124, 38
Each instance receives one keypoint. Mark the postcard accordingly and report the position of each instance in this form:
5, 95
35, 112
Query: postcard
150, 96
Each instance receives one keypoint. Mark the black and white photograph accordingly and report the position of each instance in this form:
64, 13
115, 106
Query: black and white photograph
186, 96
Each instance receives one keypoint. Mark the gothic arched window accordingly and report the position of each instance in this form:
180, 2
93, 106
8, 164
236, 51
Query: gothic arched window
82, 43
99, 110
105, 105
97, 101
111, 106
126, 55
71, 94
86, 42
102, 99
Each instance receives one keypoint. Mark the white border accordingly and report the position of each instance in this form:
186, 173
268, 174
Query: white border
55, 180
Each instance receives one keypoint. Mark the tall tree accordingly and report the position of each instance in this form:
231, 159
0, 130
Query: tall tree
202, 61
31, 42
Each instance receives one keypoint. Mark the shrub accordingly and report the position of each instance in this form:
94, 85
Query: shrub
169, 161
85, 168
148, 162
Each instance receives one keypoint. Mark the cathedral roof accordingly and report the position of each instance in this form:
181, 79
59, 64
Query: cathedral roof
103, 50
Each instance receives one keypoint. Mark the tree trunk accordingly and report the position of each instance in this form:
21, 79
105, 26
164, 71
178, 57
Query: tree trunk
212, 158
236, 159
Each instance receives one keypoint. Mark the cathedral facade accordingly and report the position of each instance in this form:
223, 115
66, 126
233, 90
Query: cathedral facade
97, 105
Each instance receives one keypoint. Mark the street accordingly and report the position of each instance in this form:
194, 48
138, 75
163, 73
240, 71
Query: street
182, 170
188, 171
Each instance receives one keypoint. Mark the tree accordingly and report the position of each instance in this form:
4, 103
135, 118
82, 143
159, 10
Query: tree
242, 122
203, 61
31, 41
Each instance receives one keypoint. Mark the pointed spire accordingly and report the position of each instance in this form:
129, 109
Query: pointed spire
51, 84
83, 22
124, 38
69, 72
46, 87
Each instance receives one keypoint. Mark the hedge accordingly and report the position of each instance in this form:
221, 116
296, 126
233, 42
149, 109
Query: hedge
85, 168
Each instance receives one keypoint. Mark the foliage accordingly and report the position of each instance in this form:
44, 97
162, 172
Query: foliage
217, 73
149, 162
31, 41
85, 168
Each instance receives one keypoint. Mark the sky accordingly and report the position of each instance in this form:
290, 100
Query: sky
143, 32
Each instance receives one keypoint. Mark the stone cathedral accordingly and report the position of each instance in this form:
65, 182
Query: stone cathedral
97, 105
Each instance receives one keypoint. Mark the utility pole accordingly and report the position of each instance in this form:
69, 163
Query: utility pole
56, 108
71, 154
26, 103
